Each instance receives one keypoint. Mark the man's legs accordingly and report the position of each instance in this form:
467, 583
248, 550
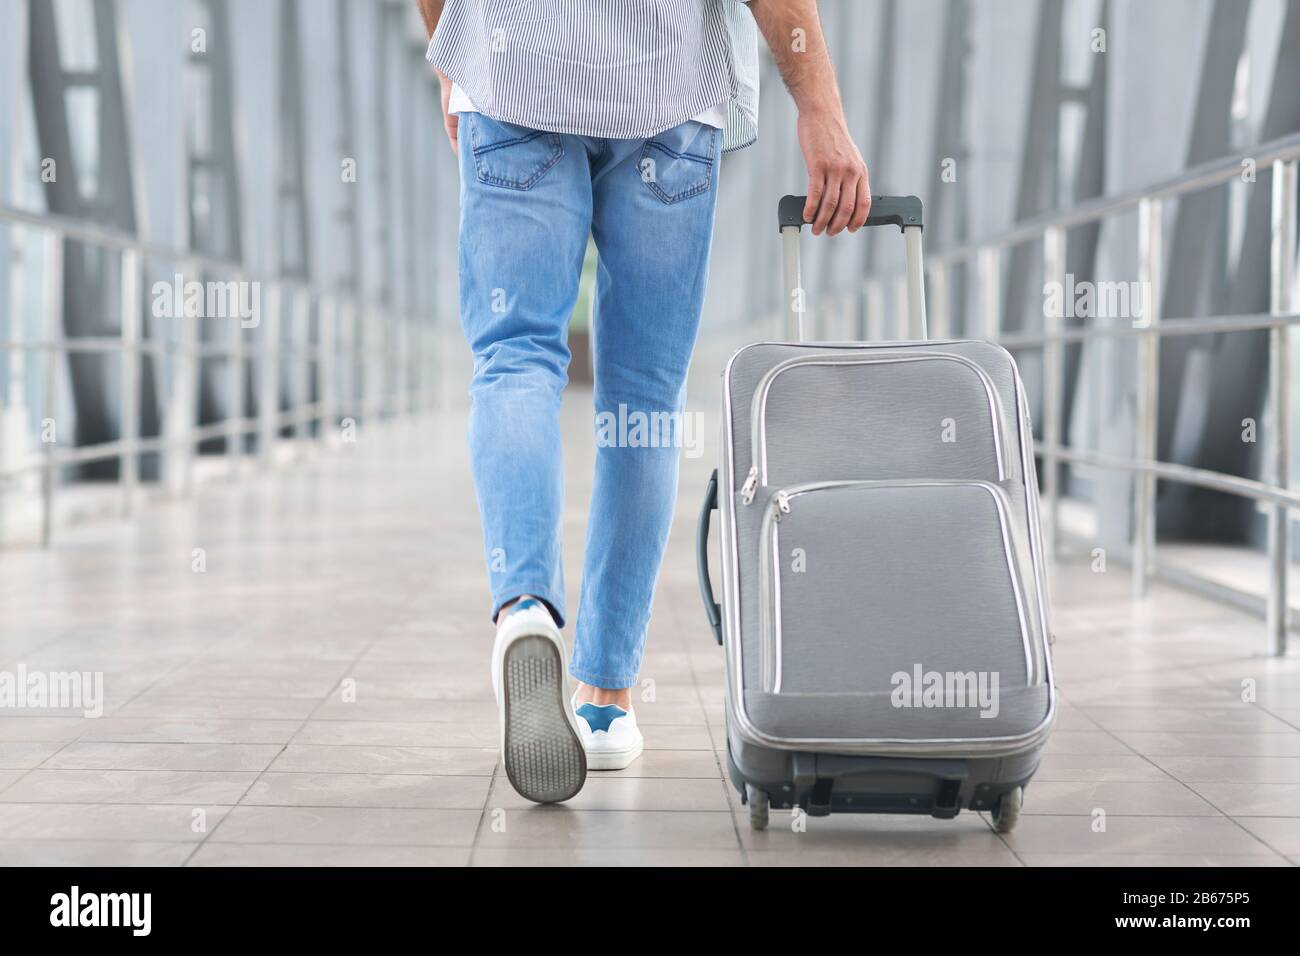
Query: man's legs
525, 215
521, 252
652, 221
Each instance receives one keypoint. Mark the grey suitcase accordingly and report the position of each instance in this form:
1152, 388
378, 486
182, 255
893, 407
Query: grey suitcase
884, 599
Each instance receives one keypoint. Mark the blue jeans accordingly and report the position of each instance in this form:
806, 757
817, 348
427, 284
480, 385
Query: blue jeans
529, 199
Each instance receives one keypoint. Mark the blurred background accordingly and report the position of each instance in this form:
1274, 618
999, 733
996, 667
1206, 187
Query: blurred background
294, 150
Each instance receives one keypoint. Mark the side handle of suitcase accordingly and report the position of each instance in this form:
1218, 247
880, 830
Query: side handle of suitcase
901, 211
711, 607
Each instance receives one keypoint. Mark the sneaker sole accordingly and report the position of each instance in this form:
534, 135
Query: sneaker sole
543, 756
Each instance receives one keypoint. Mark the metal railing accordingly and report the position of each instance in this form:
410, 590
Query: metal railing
1051, 230
388, 358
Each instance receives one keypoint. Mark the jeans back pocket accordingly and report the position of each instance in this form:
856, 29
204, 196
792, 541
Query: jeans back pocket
678, 163
509, 155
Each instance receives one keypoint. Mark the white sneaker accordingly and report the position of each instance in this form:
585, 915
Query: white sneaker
540, 745
609, 735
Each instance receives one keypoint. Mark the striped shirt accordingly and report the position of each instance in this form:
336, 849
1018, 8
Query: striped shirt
614, 69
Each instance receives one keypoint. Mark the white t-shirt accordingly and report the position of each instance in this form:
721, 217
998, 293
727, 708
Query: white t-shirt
715, 116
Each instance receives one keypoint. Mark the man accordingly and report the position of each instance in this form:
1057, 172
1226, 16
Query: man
605, 118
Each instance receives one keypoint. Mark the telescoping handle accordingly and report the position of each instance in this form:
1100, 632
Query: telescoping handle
901, 211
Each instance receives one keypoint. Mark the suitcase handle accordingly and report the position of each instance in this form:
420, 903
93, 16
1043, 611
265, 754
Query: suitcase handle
901, 211
711, 607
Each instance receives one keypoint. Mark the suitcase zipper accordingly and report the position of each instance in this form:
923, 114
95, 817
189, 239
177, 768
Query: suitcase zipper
758, 413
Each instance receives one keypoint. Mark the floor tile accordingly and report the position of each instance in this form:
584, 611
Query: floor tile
1280, 833
1242, 718
609, 829
369, 790
1181, 861
84, 852
50, 729
1157, 744
1134, 835
672, 763
595, 856
604, 791
138, 823
16, 755
191, 788
419, 760
347, 826
192, 730
290, 854
162, 756
1232, 769
189, 707
1252, 799
1124, 797
1105, 766
1085, 742
478, 734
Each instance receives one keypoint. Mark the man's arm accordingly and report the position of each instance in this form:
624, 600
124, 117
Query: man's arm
839, 194
431, 10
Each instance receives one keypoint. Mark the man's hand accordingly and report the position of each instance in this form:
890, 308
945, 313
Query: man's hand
450, 121
839, 195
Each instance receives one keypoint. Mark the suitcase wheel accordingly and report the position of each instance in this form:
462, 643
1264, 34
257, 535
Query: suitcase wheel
758, 807
1007, 813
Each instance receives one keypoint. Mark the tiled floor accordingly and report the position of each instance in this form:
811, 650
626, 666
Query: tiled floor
318, 694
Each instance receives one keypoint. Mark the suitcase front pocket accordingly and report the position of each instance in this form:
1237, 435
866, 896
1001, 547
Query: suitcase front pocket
871, 587
896, 415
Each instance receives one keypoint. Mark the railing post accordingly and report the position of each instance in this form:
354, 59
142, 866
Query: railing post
402, 364
990, 291
185, 408
13, 410
382, 382
360, 365
350, 332
413, 366
235, 405
364, 327
392, 362
1146, 417
1054, 240
53, 335
417, 368
325, 366
129, 476
300, 350
268, 389
1282, 273
430, 349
